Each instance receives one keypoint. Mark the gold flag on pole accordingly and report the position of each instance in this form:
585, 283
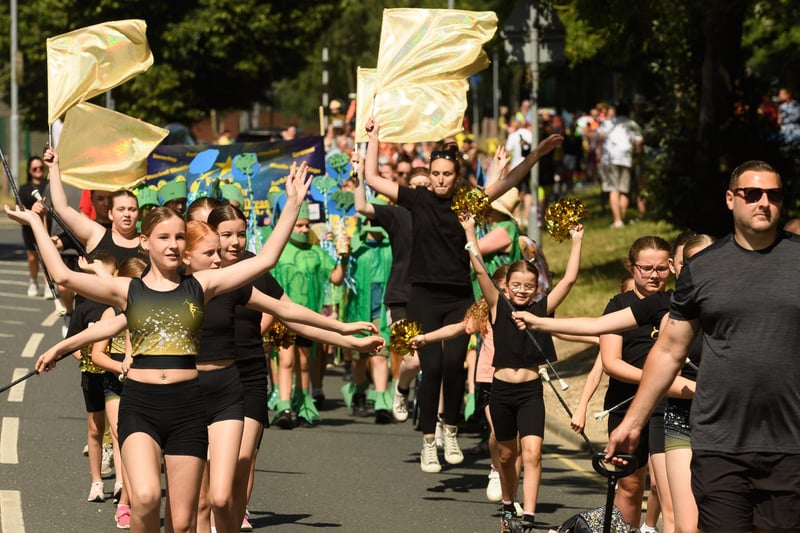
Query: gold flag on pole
88, 61
105, 150
365, 94
425, 58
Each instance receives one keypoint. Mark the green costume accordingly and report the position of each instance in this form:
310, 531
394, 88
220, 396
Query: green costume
372, 262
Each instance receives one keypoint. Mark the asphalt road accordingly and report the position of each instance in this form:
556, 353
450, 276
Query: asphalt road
347, 474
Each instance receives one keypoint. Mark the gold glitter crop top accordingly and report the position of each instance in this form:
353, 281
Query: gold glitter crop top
165, 323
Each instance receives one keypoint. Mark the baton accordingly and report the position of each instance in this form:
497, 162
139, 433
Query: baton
602, 414
546, 377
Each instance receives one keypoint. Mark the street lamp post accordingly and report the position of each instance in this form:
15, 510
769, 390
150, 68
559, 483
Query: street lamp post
14, 119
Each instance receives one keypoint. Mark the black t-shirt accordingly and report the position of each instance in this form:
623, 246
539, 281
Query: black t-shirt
636, 344
397, 223
86, 313
748, 306
218, 338
438, 256
247, 322
514, 348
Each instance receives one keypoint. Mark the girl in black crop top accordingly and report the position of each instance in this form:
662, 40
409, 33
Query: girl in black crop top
441, 289
164, 358
516, 403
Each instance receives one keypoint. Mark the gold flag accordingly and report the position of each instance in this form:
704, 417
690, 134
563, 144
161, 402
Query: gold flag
89, 61
365, 92
420, 45
103, 149
425, 57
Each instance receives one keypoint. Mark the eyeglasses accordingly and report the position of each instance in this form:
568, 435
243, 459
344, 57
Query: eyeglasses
443, 154
517, 286
661, 270
752, 195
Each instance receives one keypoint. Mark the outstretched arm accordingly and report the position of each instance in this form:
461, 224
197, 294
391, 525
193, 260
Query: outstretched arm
381, 185
84, 228
111, 291
450, 331
218, 281
615, 322
561, 290
523, 170
476, 259
370, 344
289, 312
104, 329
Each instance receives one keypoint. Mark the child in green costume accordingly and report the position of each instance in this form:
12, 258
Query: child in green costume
303, 270
370, 270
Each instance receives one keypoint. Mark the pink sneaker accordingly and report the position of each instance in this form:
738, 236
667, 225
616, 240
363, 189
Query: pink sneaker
123, 517
246, 525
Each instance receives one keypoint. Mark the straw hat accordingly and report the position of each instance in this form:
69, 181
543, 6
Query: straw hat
507, 203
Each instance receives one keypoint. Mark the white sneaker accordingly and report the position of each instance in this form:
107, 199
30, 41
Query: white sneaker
85, 451
33, 289
437, 436
429, 458
96, 493
452, 452
494, 491
107, 461
399, 406
647, 529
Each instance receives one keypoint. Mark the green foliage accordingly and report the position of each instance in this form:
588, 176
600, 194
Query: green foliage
221, 54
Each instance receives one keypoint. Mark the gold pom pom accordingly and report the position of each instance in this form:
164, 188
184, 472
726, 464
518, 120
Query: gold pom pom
401, 334
279, 336
562, 215
469, 199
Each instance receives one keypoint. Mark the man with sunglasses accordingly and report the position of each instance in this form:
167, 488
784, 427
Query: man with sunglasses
742, 295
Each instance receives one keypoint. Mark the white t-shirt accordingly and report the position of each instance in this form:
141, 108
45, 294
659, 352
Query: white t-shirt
620, 134
514, 145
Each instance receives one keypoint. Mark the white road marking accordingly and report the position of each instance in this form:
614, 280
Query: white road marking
11, 512
7, 335
19, 309
17, 392
8, 441
13, 322
32, 345
18, 295
51, 320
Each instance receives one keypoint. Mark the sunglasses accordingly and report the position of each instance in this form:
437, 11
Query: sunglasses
34, 169
752, 195
443, 154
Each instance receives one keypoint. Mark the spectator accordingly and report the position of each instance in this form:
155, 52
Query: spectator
619, 137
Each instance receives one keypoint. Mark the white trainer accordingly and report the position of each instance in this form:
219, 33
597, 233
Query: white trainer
494, 491
452, 452
429, 458
399, 406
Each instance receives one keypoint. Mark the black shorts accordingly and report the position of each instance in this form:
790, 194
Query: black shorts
222, 394
253, 375
656, 437
27, 238
303, 342
173, 415
482, 396
737, 492
112, 386
517, 408
93, 397
642, 451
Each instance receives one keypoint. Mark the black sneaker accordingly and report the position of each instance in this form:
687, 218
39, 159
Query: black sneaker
507, 519
383, 416
303, 422
284, 419
359, 404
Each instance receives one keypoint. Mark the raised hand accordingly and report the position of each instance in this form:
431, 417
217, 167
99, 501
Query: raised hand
549, 144
576, 232
297, 183
371, 127
21, 216
50, 157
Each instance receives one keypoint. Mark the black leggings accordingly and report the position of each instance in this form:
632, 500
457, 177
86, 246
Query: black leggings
441, 363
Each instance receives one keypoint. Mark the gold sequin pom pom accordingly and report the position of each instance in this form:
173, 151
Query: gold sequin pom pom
401, 334
562, 215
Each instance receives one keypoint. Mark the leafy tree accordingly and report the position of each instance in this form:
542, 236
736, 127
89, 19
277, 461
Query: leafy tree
222, 54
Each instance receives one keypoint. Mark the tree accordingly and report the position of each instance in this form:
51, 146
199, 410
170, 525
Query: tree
211, 54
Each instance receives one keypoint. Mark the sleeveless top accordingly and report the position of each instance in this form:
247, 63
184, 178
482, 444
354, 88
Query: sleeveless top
514, 348
218, 335
120, 253
165, 323
116, 346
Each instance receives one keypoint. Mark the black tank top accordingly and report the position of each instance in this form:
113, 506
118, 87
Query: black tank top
120, 253
513, 348
219, 340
